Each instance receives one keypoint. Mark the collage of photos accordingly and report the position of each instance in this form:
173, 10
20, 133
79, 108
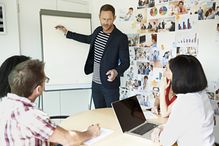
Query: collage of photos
160, 30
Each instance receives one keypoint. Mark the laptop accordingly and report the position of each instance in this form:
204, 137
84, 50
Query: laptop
131, 117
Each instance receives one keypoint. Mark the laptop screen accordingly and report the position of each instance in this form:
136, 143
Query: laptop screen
129, 113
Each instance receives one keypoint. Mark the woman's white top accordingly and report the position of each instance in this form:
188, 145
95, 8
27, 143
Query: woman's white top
190, 122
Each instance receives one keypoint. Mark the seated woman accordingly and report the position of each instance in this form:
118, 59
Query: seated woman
165, 101
5, 70
191, 120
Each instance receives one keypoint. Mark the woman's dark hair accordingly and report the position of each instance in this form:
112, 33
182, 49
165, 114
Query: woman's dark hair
108, 7
5, 70
187, 74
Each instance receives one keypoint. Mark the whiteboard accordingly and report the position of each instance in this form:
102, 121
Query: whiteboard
64, 58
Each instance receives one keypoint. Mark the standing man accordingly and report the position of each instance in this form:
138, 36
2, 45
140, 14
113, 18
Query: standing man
108, 57
21, 123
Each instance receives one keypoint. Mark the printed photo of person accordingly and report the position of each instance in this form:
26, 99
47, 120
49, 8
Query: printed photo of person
206, 10
127, 16
181, 9
152, 25
166, 24
142, 3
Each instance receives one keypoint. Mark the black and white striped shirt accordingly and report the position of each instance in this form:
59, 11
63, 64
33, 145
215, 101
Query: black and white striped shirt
99, 47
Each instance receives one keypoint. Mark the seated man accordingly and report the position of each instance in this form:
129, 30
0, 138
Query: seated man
22, 124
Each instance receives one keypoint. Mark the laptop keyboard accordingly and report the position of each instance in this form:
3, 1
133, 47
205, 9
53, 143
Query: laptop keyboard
144, 128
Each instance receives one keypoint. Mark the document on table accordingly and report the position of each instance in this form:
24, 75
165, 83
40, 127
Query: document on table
149, 115
103, 133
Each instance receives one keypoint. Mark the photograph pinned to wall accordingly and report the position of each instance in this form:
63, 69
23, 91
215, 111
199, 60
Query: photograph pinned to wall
187, 51
217, 11
137, 84
146, 100
151, 3
145, 86
152, 25
213, 88
166, 43
152, 12
134, 85
154, 78
142, 4
186, 22
172, 8
145, 40
142, 40
141, 20
131, 72
187, 39
133, 39
141, 54
166, 24
158, 11
126, 15
123, 93
206, 9
154, 51
165, 58
140, 15
143, 68
2, 19
163, 10
178, 7
161, 1
132, 53
155, 56
213, 94
181, 7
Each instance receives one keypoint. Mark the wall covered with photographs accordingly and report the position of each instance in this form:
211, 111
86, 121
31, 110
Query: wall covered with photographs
159, 30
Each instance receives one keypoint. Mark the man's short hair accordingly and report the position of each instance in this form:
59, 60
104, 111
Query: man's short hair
187, 74
108, 7
26, 76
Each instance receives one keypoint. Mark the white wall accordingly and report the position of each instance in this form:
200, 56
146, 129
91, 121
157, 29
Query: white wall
10, 40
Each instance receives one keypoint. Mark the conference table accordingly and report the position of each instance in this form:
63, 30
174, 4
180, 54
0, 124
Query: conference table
107, 119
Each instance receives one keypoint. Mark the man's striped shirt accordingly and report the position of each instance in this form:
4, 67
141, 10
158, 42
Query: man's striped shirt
99, 47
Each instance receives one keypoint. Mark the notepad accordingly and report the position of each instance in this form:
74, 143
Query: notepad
149, 115
103, 133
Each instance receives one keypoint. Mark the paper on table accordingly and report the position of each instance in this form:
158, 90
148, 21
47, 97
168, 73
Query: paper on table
149, 115
103, 133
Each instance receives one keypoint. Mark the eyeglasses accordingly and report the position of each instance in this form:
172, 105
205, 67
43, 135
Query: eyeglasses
47, 80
